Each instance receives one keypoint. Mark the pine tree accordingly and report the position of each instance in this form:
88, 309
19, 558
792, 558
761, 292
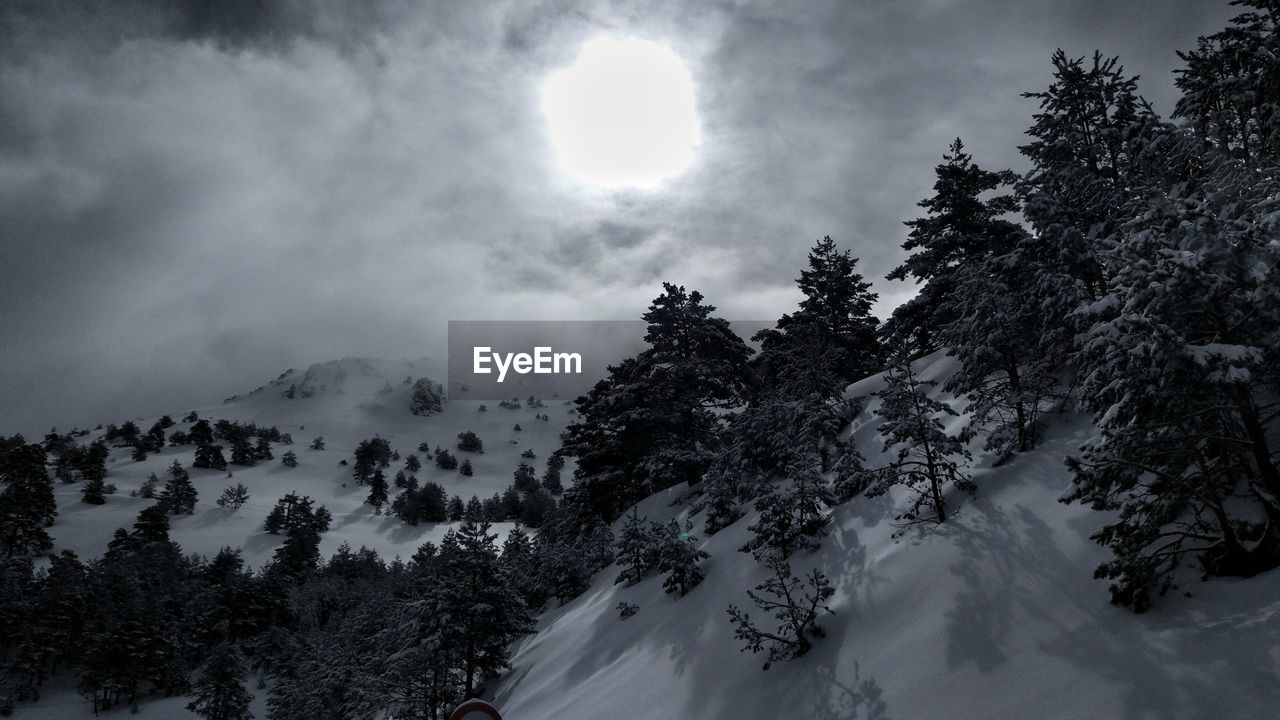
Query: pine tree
446, 461
927, 454
262, 451
637, 551
412, 464
963, 228
652, 423
837, 307
289, 459
1087, 157
318, 443
551, 476
377, 490
1183, 392
455, 509
94, 492
470, 442
465, 468
1228, 85
179, 495
792, 517
519, 563
242, 453
209, 456
796, 605
148, 488
234, 497
679, 557
526, 480
220, 692
474, 591
973, 301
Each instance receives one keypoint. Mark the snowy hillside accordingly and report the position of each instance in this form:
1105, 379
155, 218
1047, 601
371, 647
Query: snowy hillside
344, 402
992, 615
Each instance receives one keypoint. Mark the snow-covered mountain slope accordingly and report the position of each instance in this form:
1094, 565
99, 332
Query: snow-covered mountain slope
344, 401
993, 615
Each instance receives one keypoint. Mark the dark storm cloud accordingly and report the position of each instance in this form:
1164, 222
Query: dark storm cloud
195, 195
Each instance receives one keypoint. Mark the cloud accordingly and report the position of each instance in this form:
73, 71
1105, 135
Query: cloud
195, 195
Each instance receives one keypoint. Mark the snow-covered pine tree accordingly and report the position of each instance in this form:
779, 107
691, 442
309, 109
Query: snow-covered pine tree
637, 551
289, 459
793, 516
1229, 94
94, 492
219, 693
242, 452
474, 592
1184, 393
680, 558
974, 301
1086, 161
209, 456
377, 489
837, 305
234, 497
795, 605
928, 457
262, 450
148, 488
652, 423
551, 476
179, 495
964, 225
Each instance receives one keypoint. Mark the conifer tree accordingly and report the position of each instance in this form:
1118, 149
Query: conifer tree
209, 456
242, 453
220, 692
27, 504
474, 592
148, 488
234, 497
680, 557
94, 492
455, 509
793, 517
928, 457
837, 309
652, 423
637, 551
551, 476
795, 605
179, 495
289, 459
377, 490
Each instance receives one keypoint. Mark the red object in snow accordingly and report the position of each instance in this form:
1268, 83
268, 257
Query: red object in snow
475, 710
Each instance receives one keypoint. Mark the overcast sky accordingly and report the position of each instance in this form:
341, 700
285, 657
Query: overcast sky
196, 195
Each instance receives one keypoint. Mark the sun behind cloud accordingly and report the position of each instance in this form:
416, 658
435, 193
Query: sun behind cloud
623, 114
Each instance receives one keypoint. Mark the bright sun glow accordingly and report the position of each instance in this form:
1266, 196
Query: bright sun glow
623, 115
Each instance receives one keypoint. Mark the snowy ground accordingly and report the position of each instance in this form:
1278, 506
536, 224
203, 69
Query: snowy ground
994, 615
344, 411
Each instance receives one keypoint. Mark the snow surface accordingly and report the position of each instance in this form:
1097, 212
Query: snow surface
346, 405
993, 615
